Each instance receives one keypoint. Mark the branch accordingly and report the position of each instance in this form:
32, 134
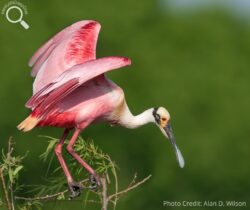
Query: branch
10, 202
105, 198
46, 197
131, 187
133, 181
104, 193
5, 190
9, 157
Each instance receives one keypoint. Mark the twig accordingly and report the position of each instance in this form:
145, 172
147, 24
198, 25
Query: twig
133, 181
12, 196
93, 201
104, 194
5, 190
46, 197
129, 188
116, 181
10, 150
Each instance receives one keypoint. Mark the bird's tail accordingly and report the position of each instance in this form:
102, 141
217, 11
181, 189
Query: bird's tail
28, 124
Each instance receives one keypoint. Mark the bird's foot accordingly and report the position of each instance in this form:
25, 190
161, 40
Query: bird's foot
95, 182
75, 189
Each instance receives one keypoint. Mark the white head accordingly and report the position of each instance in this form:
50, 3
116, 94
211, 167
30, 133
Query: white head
162, 120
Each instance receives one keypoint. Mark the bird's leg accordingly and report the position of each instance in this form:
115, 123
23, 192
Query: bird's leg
58, 151
73, 186
94, 179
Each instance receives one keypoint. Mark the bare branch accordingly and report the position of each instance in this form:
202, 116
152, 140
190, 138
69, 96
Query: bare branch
5, 190
10, 148
133, 180
9, 157
116, 181
104, 194
46, 197
93, 201
129, 188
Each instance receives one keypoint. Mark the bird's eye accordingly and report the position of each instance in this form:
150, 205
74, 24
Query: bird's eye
164, 119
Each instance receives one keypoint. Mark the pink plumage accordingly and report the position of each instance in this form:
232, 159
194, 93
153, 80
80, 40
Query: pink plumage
71, 91
63, 64
74, 45
46, 100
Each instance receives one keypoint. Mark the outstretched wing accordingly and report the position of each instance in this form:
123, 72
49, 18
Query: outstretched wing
74, 45
71, 79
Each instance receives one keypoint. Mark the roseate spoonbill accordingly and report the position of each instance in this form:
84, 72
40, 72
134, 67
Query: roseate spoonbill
71, 91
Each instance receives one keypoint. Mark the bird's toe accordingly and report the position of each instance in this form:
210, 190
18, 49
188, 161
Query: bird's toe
75, 189
94, 182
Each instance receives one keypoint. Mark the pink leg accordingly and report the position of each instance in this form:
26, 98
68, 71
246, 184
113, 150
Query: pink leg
76, 156
58, 151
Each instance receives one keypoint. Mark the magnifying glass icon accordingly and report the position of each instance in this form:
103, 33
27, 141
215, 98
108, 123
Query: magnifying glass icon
20, 19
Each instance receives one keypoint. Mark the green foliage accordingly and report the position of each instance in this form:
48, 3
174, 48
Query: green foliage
55, 187
11, 165
31, 205
88, 152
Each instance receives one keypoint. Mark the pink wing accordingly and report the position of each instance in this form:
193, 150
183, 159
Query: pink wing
71, 79
74, 45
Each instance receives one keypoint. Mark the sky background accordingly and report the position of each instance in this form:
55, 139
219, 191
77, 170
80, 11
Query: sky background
239, 8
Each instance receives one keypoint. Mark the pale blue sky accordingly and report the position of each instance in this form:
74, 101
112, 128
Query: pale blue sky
237, 7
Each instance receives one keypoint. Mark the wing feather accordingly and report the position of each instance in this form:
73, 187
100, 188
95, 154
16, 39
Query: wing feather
74, 45
68, 81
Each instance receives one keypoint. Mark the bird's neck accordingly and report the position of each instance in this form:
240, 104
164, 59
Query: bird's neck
128, 120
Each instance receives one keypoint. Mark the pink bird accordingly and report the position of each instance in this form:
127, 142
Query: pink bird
71, 91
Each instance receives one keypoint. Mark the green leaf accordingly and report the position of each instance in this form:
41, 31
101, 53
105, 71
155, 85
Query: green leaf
11, 175
61, 197
17, 170
50, 147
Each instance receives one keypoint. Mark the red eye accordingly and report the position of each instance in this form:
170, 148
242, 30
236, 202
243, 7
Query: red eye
163, 119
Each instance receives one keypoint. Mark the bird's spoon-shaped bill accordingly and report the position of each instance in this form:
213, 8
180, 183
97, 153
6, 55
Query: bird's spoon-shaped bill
168, 132
179, 157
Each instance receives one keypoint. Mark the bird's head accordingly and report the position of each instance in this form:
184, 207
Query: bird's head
162, 120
